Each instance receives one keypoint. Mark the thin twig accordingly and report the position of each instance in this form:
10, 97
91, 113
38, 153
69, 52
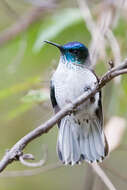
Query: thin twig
98, 31
93, 29
25, 157
98, 170
89, 178
114, 46
16, 151
28, 164
104, 22
115, 50
30, 172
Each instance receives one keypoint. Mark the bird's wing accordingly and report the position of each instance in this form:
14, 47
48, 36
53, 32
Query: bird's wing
99, 113
99, 119
53, 98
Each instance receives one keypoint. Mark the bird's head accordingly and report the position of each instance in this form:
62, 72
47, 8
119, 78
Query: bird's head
74, 52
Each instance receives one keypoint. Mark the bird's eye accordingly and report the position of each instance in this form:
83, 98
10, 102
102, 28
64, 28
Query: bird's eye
74, 51
71, 50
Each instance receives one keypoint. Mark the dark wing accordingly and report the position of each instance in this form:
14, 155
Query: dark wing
53, 98
98, 111
99, 115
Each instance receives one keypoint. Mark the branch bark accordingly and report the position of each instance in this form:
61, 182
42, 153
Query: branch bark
17, 150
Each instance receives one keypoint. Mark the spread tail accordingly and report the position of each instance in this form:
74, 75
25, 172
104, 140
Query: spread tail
81, 141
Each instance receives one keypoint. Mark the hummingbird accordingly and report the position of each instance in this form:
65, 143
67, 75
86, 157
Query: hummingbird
81, 135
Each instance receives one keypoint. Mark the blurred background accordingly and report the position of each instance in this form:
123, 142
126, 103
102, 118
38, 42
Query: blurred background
26, 66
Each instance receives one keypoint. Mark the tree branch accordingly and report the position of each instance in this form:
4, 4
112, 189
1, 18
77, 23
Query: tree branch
25, 157
16, 151
98, 170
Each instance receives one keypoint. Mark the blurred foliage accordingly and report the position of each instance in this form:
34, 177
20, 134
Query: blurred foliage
57, 24
36, 96
26, 67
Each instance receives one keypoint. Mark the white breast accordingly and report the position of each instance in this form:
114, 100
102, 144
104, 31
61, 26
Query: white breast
71, 83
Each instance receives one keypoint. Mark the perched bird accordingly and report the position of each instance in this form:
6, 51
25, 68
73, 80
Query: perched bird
81, 135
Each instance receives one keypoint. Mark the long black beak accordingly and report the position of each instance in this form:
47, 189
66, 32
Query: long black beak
54, 44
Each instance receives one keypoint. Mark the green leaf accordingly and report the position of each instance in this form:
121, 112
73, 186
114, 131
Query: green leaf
36, 96
58, 23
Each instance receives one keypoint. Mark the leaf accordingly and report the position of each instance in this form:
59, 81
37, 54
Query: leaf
58, 23
36, 96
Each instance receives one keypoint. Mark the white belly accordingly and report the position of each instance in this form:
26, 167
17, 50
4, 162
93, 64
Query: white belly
71, 83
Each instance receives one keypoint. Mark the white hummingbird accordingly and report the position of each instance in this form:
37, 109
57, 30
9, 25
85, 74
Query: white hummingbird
81, 135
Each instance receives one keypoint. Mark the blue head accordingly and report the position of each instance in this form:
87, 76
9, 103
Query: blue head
74, 52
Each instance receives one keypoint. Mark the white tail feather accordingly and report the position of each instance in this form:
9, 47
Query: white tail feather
76, 142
